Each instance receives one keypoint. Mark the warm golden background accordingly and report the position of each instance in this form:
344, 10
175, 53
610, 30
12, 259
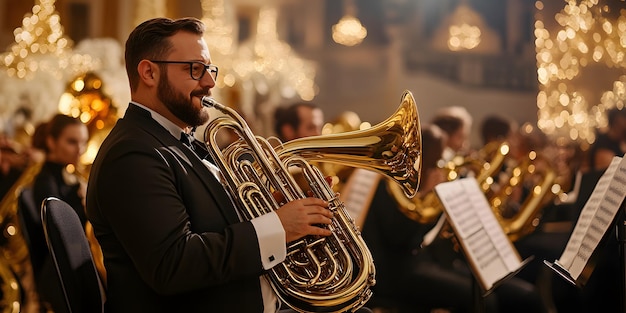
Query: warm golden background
558, 64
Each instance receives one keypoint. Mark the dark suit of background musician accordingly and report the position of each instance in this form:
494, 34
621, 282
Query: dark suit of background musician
609, 143
171, 239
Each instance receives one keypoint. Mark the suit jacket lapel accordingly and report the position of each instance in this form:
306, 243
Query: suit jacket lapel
211, 182
185, 155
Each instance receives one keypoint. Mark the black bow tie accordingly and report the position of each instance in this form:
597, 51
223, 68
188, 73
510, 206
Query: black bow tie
195, 145
186, 139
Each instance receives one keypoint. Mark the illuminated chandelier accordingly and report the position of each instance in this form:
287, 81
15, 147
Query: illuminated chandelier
349, 31
270, 65
586, 40
466, 31
463, 37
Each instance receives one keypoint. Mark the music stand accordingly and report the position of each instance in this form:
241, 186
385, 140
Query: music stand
580, 281
480, 293
601, 211
487, 249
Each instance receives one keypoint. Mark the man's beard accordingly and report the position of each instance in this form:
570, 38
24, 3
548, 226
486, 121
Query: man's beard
180, 105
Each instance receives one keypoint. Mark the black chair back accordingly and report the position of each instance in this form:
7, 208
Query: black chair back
70, 253
47, 284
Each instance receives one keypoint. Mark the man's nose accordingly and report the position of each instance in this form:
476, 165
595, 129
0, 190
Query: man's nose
208, 80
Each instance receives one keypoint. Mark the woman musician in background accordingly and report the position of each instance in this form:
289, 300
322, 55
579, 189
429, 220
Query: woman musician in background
63, 140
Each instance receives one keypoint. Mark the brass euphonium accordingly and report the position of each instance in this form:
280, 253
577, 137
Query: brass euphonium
320, 274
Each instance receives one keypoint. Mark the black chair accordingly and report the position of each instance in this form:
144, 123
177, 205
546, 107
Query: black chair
47, 284
72, 257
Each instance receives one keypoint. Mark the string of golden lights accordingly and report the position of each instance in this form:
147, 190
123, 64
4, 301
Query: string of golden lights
587, 38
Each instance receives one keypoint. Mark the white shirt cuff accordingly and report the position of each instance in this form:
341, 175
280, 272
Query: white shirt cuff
271, 236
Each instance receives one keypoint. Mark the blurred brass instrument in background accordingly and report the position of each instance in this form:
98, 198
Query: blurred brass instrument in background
518, 199
320, 274
500, 177
13, 246
10, 288
427, 208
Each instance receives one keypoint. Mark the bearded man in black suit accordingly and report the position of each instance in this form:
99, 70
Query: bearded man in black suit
171, 238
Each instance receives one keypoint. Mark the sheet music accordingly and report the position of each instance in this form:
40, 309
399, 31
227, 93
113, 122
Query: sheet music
358, 192
595, 218
479, 232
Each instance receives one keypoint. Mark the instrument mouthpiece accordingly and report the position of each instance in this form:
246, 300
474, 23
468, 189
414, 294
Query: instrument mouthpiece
208, 102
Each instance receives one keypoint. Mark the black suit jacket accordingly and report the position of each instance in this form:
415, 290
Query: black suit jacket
171, 239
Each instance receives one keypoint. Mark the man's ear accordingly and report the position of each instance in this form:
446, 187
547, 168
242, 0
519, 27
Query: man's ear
148, 73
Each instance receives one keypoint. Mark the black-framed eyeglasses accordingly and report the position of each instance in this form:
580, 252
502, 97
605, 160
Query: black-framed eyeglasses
196, 69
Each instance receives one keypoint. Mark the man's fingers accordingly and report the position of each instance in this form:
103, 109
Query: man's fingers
304, 217
319, 231
319, 219
321, 211
314, 201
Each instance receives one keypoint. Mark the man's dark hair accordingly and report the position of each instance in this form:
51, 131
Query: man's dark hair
495, 128
150, 41
289, 116
53, 128
448, 123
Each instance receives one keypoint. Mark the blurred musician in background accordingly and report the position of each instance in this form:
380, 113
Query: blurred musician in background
496, 129
393, 238
171, 237
412, 278
63, 140
298, 120
456, 122
609, 143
